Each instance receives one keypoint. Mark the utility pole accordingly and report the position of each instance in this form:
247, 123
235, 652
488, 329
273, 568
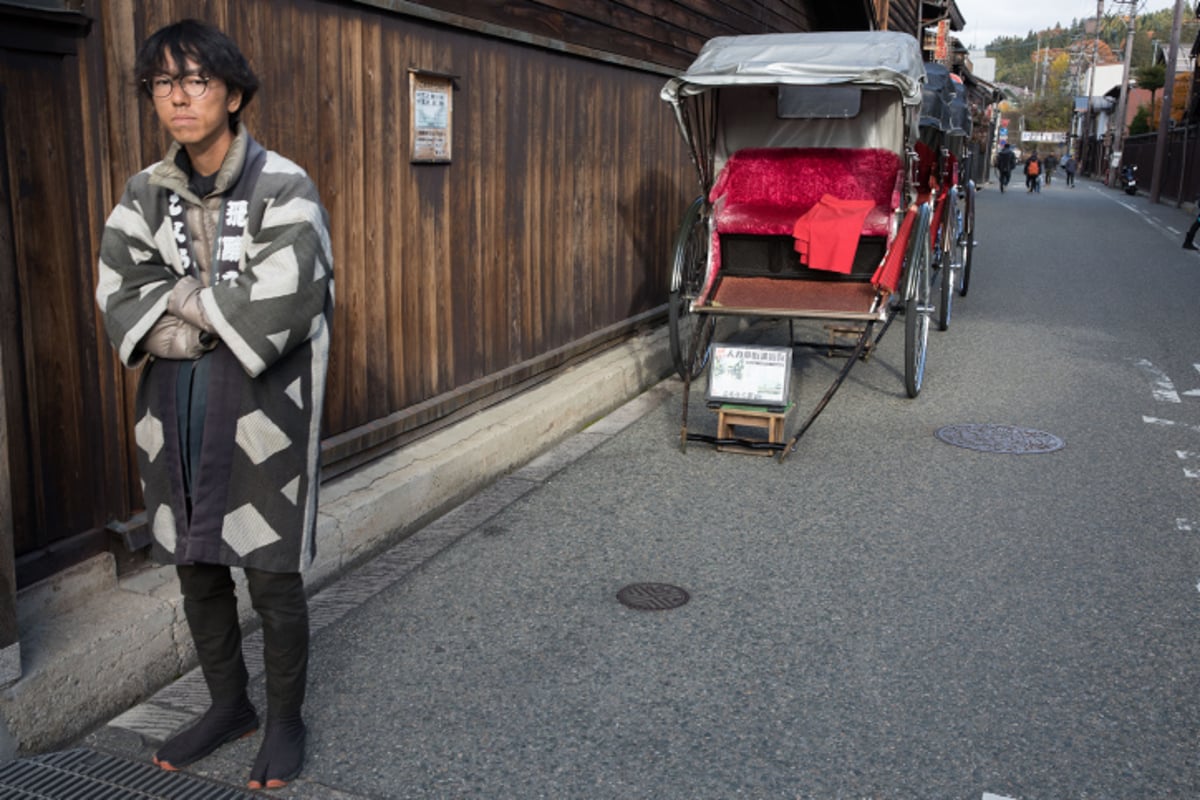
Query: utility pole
1085, 142
1164, 117
1045, 67
1119, 132
1037, 70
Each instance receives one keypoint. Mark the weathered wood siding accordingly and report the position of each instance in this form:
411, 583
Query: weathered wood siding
58, 469
658, 31
904, 16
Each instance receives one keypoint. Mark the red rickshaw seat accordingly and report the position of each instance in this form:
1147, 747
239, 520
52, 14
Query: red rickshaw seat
763, 191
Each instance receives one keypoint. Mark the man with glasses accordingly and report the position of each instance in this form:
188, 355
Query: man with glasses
216, 278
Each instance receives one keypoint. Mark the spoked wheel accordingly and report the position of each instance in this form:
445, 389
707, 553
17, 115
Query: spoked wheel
702, 326
687, 279
948, 256
916, 303
968, 235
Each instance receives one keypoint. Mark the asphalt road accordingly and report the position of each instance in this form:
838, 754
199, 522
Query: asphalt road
883, 615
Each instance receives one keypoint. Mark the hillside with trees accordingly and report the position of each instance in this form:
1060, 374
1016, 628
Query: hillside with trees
1043, 71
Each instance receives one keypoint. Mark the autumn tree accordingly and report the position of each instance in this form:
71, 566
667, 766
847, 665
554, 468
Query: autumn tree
1151, 77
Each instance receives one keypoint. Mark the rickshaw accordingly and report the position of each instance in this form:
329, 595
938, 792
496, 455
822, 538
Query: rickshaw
945, 129
804, 146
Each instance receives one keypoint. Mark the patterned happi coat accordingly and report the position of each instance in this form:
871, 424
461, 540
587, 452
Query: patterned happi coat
254, 494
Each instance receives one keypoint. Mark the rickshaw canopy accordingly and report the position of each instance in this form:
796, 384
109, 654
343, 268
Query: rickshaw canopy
848, 89
876, 58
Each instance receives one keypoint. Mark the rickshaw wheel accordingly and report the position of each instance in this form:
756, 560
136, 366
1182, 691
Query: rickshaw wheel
948, 257
916, 304
968, 233
687, 280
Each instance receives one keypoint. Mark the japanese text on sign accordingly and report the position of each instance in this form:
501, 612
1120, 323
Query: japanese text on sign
750, 374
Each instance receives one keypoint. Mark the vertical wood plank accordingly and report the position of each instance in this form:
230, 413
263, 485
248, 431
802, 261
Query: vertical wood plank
375, 158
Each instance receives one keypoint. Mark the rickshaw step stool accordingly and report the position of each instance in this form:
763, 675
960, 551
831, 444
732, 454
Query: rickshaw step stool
843, 338
770, 420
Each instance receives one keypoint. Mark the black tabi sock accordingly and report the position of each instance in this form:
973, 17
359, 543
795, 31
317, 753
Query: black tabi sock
220, 724
281, 756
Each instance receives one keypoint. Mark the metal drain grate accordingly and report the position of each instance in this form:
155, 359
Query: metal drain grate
652, 596
82, 774
999, 438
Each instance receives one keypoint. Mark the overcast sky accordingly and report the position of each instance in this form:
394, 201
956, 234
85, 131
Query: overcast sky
987, 19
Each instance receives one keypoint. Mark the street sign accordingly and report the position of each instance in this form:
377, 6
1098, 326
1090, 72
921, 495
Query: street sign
1044, 136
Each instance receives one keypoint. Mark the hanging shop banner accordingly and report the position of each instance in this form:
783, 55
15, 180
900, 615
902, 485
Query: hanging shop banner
941, 44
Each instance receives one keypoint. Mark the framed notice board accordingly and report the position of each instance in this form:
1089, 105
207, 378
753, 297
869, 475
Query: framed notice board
431, 97
750, 375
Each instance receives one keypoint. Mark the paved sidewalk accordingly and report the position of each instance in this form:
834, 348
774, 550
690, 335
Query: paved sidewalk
132, 737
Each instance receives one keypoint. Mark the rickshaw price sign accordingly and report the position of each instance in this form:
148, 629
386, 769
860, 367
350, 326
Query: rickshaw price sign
750, 375
431, 98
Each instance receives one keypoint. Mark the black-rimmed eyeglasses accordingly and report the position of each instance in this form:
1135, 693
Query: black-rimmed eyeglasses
162, 85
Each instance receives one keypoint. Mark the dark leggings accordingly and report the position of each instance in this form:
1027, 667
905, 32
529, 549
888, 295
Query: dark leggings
1191, 234
210, 605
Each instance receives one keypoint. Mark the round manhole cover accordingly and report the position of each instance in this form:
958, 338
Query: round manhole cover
999, 438
652, 596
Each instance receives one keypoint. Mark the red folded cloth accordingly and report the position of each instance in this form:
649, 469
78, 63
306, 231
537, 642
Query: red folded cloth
827, 234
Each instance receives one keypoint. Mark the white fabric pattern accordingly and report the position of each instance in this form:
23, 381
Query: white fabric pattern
259, 437
148, 433
277, 275
280, 340
163, 528
293, 393
246, 530
292, 490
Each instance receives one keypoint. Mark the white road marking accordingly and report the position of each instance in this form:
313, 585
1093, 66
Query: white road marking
1184, 524
1168, 423
1164, 388
1193, 392
990, 796
1151, 221
1184, 455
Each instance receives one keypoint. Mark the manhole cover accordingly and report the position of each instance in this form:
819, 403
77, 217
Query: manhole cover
652, 596
999, 438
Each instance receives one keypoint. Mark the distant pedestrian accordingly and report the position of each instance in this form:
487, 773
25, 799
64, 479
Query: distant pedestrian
216, 279
1049, 164
1033, 173
1069, 170
1006, 161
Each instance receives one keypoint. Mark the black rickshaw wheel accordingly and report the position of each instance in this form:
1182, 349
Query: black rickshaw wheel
947, 245
916, 304
687, 279
964, 275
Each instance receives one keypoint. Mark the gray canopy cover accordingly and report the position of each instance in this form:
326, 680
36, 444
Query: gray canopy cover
887, 58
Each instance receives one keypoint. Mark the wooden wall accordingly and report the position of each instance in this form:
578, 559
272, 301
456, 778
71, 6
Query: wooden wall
904, 16
546, 237
665, 32
61, 474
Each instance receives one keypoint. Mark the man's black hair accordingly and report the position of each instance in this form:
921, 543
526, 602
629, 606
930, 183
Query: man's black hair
215, 53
